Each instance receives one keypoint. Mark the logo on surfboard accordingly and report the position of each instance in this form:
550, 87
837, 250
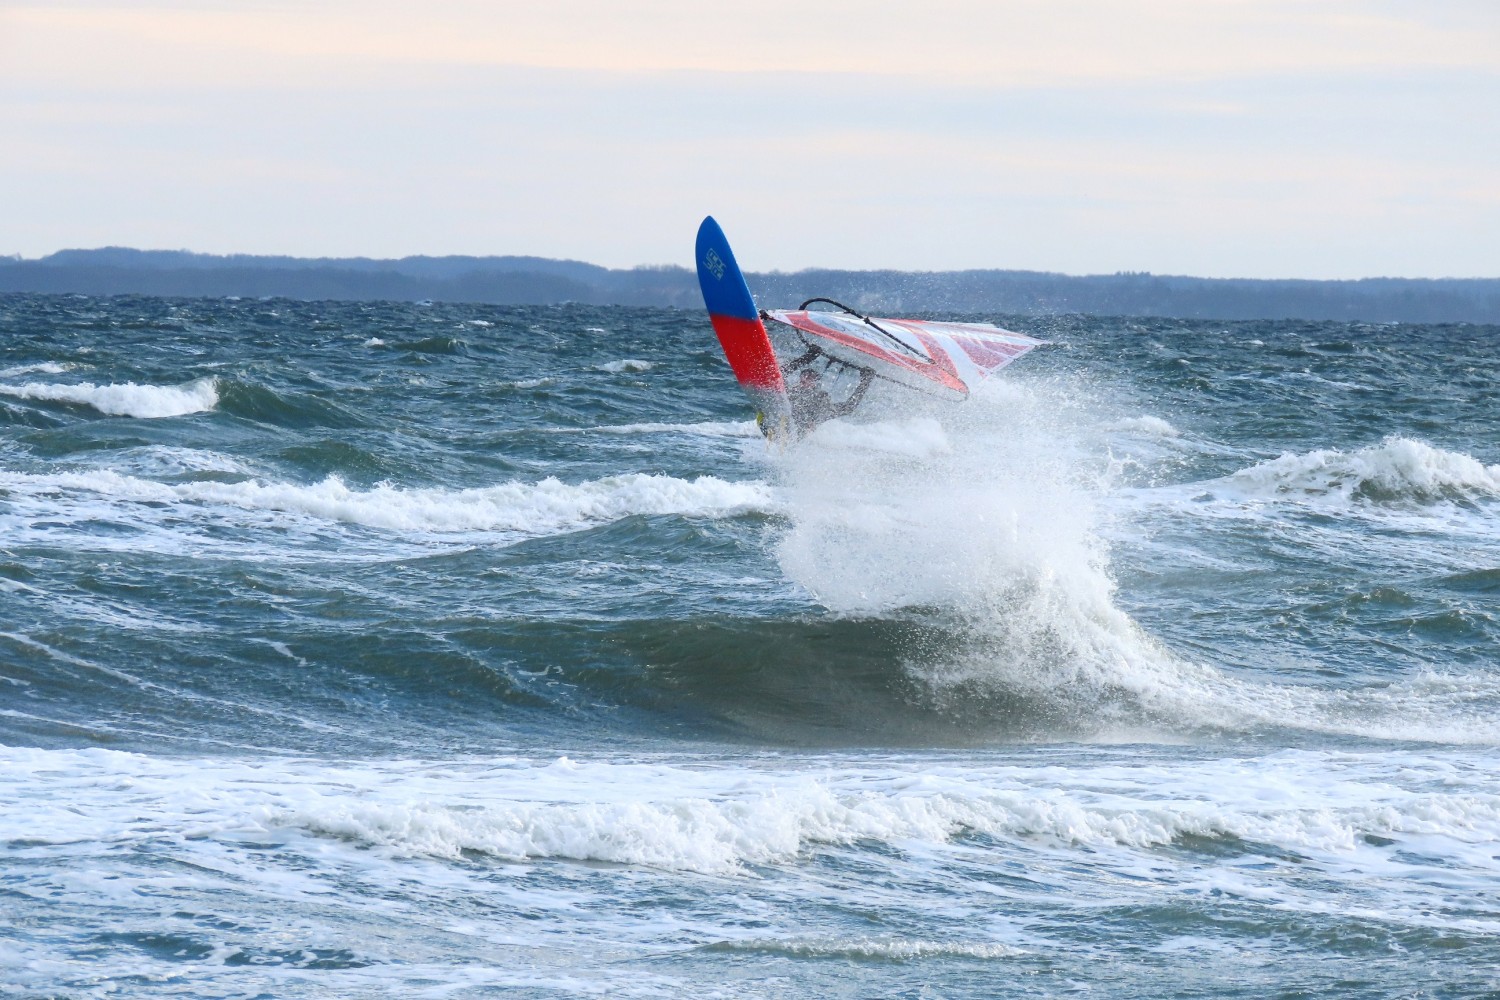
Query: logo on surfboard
714, 263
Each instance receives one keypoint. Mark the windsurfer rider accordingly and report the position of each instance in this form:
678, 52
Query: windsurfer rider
811, 405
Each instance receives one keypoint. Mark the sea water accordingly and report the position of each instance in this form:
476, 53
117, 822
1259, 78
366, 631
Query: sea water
462, 650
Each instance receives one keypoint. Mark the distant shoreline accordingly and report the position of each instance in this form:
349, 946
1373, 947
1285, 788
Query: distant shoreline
544, 281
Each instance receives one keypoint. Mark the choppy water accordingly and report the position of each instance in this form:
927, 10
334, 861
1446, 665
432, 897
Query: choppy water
369, 650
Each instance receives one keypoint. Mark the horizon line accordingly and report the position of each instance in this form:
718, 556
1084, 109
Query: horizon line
17, 258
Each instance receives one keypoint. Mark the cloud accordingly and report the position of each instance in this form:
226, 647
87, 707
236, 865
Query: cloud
1255, 137
1021, 43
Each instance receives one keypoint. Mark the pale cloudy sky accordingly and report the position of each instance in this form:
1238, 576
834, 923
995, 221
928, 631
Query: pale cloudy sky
1262, 138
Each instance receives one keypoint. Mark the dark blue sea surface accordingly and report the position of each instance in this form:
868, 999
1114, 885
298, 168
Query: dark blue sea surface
354, 649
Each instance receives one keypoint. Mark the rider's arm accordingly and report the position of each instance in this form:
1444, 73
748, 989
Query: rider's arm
848, 406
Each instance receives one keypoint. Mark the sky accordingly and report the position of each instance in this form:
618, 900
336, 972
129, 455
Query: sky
1221, 138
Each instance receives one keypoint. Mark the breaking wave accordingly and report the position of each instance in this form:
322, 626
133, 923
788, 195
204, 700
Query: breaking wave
705, 428
888, 949
520, 508
995, 551
776, 820
1396, 469
1148, 426
40, 368
986, 531
125, 399
726, 820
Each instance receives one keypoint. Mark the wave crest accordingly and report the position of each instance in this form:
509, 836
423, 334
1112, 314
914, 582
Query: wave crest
528, 509
125, 399
1398, 468
666, 818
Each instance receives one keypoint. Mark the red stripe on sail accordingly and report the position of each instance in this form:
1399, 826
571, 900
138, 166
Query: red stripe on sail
988, 355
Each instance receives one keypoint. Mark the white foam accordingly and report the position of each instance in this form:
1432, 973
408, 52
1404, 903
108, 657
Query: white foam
959, 850
988, 526
664, 818
167, 460
1147, 425
126, 399
894, 949
999, 545
705, 428
1397, 467
41, 368
918, 437
720, 819
627, 365
519, 508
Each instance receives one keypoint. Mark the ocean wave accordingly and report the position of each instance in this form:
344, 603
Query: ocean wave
1148, 426
520, 508
733, 818
433, 345
287, 408
865, 948
125, 399
705, 428
984, 527
40, 368
169, 460
626, 365
541, 382
1398, 468
779, 819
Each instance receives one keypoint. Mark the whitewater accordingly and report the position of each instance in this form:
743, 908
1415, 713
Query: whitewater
456, 650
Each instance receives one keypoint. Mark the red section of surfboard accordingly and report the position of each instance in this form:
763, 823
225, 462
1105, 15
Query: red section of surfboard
748, 349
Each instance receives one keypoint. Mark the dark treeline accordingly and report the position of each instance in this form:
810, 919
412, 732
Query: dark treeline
540, 281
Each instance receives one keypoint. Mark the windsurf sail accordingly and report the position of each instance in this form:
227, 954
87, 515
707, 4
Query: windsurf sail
944, 359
